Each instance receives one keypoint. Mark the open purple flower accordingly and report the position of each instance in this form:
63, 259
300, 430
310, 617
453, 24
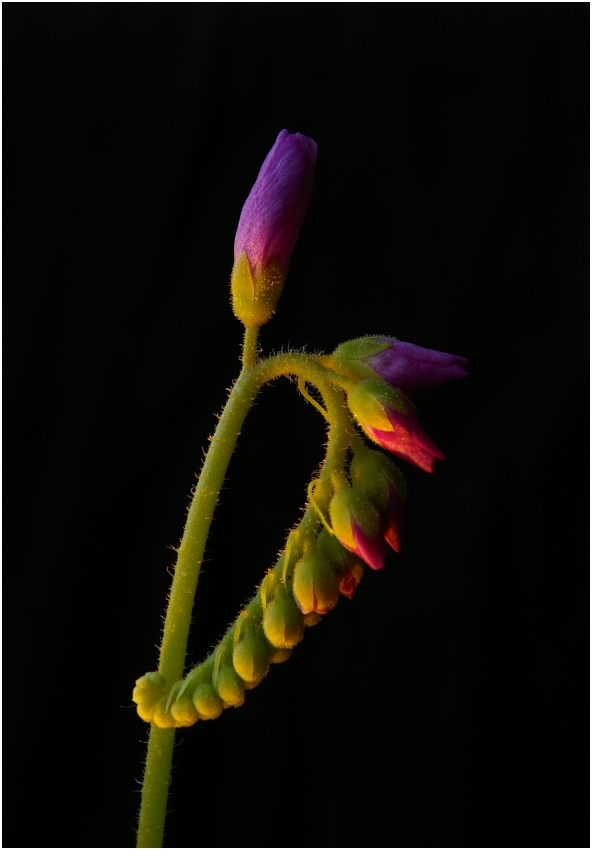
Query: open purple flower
410, 368
269, 225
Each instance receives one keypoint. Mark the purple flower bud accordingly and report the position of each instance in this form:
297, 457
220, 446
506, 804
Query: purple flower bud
410, 368
269, 226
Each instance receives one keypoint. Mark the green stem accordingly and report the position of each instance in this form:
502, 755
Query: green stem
190, 555
250, 347
155, 788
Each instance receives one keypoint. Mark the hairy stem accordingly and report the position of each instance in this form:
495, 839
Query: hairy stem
190, 553
250, 347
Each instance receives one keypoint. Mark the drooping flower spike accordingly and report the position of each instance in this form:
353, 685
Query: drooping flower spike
389, 419
355, 505
407, 367
269, 225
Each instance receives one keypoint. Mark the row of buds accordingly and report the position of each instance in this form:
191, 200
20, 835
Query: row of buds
264, 633
369, 514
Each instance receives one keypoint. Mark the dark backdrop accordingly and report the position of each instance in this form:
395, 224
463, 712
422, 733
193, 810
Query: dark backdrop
447, 703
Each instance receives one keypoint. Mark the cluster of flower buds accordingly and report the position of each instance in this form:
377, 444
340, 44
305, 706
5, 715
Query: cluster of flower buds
385, 371
365, 510
369, 514
265, 633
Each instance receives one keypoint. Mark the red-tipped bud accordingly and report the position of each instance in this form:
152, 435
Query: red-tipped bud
358, 526
316, 587
382, 482
348, 567
348, 583
390, 420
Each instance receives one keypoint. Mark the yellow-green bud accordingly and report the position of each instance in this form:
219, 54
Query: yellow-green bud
312, 619
282, 622
147, 693
207, 702
230, 686
184, 712
316, 587
146, 710
251, 659
162, 718
151, 681
279, 655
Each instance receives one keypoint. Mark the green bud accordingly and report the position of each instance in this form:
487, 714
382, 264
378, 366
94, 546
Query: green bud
372, 472
146, 694
184, 712
251, 659
312, 619
146, 710
330, 548
282, 622
207, 702
230, 686
162, 718
316, 587
151, 681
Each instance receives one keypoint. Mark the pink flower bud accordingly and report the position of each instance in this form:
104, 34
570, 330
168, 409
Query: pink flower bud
269, 226
390, 420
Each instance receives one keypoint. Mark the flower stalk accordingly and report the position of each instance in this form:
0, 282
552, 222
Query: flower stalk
355, 502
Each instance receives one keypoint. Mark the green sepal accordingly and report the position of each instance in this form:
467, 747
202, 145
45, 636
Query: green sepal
369, 400
200, 675
255, 294
349, 355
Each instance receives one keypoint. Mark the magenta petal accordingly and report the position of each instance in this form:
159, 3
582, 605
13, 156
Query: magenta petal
412, 368
408, 440
274, 211
370, 551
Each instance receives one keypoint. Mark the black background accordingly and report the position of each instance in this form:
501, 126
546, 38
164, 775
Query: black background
447, 703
